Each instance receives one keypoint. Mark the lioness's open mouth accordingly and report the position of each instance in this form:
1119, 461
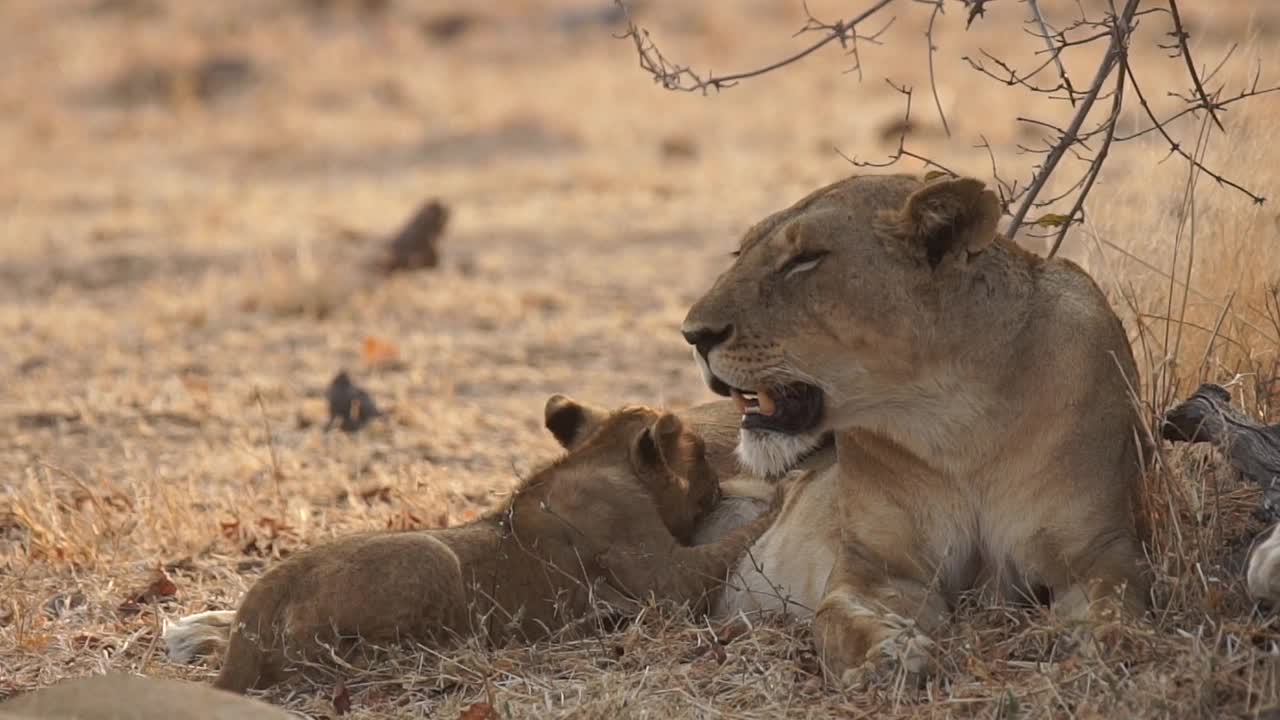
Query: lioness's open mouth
791, 409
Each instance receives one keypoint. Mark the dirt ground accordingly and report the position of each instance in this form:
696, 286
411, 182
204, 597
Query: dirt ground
188, 193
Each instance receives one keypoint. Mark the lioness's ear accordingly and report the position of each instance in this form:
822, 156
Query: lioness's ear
570, 421
953, 215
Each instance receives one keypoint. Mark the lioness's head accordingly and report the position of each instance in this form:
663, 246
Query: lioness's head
834, 303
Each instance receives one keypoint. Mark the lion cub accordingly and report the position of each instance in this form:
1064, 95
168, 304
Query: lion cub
605, 524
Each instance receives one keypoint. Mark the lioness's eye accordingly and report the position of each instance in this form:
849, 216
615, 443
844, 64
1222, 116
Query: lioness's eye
802, 263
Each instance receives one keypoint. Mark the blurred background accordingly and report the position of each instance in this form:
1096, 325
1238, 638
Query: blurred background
191, 194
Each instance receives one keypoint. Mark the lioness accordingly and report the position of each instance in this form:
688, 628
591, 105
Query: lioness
128, 697
979, 397
606, 523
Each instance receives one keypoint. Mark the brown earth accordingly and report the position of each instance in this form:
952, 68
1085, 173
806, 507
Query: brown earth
189, 190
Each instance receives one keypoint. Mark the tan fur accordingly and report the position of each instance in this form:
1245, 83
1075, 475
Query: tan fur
1263, 574
603, 524
128, 697
979, 396
786, 569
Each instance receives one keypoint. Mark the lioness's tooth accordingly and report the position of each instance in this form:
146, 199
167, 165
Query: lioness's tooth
740, 401
767, 405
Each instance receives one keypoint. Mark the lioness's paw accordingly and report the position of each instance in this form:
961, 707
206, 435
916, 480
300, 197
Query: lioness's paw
905, 654
1264, 569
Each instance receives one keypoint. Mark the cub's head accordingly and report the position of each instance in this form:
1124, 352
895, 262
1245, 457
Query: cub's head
637, 443
835, 304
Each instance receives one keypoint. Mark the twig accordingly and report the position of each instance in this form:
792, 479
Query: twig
1054, 52
1095, 167
902, 150
684, 78
1069, 137
271, 448
1157, 124
933, 83
1181, 35
1081, 139
1175, 147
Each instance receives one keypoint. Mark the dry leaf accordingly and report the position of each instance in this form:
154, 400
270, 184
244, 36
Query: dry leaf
160, 587
264, 539
341, 698
377, 352
34, 642
1051, 220
61, 603
197, 386
480, 711
732, 630
405, 520
376, 494
718, 650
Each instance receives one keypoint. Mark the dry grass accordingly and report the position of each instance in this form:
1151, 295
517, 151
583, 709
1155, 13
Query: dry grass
177, 291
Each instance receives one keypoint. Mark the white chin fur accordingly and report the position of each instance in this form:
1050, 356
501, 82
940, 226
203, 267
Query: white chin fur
762, 453
770, 454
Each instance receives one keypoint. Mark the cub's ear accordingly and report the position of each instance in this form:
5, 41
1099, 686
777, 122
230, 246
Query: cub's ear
667, 446
570, 421
951, 216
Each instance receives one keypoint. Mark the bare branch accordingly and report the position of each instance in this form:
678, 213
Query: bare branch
681, 77
1024, 80
1076, 213
1117, 47
902, 150
1181, 36
1055, 53
1175, 147
1157, 125
1083, 139
1008, 191
933, 83
977, 9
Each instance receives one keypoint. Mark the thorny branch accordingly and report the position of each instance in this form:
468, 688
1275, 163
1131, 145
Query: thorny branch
1077, 210
681, 77
1181, 36
902, 150
1085, 139
1055, 53
933, 83
1071, 136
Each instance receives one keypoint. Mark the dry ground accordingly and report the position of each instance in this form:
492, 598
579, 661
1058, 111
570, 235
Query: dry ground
179, 234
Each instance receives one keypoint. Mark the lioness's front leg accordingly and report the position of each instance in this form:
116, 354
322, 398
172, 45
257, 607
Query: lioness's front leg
876, 616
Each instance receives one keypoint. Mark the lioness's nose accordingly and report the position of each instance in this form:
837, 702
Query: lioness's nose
705, 338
